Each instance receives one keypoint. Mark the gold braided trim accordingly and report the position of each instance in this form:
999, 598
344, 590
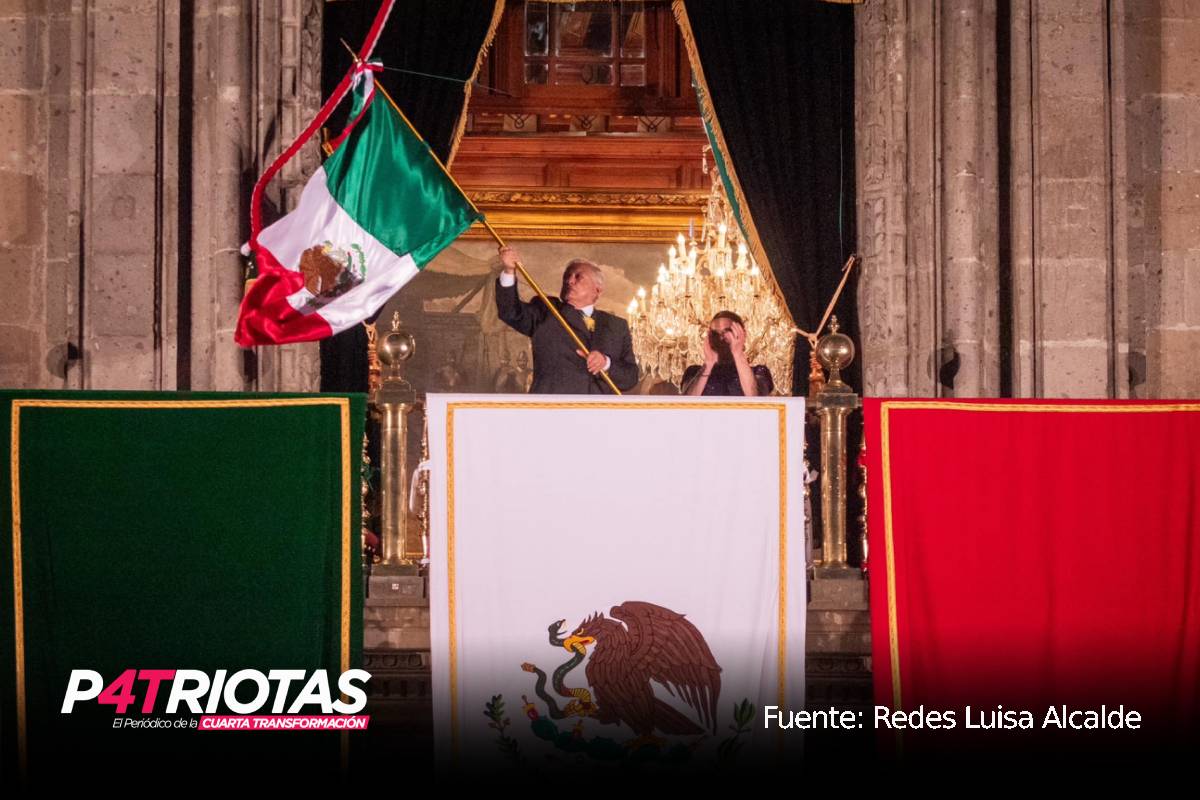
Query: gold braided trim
710, 116
497, 15
18, 589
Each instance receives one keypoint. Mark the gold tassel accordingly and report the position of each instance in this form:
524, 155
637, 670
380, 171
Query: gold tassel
497, 15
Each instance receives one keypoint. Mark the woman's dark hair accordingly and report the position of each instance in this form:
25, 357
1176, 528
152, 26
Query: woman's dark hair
729, 315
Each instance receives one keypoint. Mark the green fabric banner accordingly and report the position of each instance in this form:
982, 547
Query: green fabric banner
391, 184
174, 531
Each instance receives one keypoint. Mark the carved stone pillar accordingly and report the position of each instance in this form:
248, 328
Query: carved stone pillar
287, 90
925, 90
256, 83
892, 316
136, 130
969, 202
1021, 202
222, 172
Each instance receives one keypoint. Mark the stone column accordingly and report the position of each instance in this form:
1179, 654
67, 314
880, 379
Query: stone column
256, 83
287, 90
1021, 201
897, 262
25, 175
969, 203
1061, 137
90, 101
922, 115
1172, 186
1102, 197
222, 174
129, 148
1105, 99
927, 193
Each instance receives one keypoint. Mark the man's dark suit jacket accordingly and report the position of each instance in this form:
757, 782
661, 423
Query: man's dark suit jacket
557, 368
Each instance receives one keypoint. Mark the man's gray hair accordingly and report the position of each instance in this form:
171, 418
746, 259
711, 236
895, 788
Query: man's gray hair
574, 267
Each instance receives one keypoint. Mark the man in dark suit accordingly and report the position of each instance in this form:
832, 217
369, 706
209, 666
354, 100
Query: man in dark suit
559, 366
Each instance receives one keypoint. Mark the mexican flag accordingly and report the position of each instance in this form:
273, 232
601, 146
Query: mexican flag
368, 221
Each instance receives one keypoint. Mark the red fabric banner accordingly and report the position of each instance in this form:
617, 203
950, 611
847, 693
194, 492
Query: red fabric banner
1034, 555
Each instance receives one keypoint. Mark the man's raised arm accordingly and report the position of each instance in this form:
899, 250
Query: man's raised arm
521, 316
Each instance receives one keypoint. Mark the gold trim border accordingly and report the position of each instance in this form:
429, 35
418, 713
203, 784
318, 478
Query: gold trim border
451, 583
343, 405
885, 409
687, 200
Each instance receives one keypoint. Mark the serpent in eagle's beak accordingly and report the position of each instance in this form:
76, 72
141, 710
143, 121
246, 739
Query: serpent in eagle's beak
578, 643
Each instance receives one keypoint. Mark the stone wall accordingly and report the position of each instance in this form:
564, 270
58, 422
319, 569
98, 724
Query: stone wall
133, 131
1028, 181
38, 302
1158, 112
1029, 197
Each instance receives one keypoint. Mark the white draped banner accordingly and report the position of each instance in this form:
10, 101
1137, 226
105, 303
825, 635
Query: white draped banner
667, 536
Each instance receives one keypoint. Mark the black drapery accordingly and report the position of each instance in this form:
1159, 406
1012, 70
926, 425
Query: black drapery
779, 75
439, 37
780, 78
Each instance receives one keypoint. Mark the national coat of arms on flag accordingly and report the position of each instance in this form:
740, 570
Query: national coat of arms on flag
378, 210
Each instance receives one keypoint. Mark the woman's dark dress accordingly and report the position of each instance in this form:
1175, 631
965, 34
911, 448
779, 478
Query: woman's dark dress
723, 382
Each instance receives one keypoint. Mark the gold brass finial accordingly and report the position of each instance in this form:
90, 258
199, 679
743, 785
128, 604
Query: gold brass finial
835, 351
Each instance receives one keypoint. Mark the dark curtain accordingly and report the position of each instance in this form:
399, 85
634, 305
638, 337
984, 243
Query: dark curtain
780, 75
439, 37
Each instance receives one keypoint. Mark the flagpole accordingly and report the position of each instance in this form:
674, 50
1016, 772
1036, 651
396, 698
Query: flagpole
499, 240
488, 226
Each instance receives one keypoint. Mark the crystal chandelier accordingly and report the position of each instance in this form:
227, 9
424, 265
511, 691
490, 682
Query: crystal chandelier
701, 277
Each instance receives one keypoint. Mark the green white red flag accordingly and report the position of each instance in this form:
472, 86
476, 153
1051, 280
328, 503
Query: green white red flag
369, 220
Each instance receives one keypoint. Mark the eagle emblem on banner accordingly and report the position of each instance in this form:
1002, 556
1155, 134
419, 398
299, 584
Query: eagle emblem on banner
638, 645
330, 271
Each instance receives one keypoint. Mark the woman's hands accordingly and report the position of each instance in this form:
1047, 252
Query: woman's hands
736, 337
710, 355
